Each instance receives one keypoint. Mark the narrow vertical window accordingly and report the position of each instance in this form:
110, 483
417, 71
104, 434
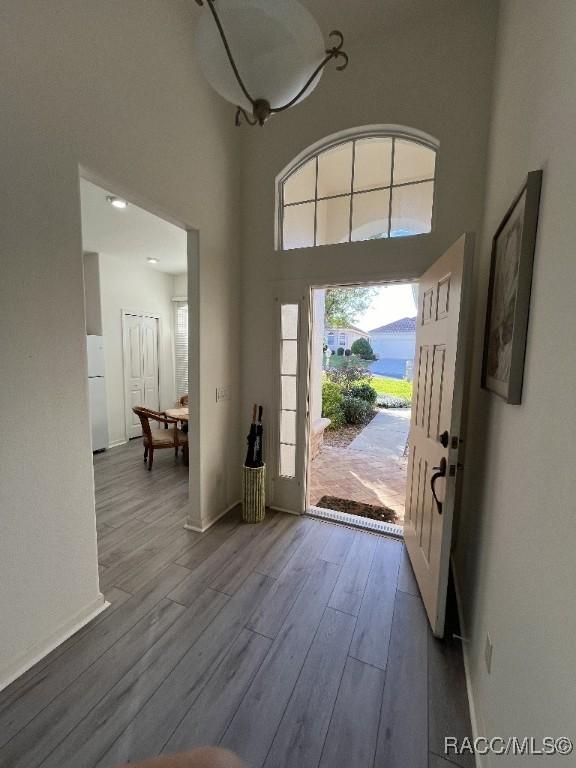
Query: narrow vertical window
181, 347
288, 388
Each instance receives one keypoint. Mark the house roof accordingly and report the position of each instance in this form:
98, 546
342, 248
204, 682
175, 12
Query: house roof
348, 328
405, 325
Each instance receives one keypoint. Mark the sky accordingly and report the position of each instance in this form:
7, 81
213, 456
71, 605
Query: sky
391, 303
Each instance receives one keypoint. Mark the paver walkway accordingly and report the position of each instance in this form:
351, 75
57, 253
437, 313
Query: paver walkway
372, 469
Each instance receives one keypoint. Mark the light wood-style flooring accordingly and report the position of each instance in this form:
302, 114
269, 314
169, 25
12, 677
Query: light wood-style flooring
296, 643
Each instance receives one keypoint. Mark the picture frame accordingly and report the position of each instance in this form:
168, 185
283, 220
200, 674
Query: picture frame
508, 307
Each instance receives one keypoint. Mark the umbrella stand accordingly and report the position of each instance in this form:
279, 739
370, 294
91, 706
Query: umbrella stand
254, 494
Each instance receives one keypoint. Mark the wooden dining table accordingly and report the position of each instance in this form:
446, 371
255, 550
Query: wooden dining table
180, 413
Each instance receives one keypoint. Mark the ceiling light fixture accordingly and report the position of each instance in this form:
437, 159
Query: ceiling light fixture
117, 202
152, 260
273, 49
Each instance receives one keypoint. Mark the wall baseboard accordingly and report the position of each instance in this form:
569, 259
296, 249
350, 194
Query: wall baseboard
475, 717
287, 511
41, 649
116, 443
191, 526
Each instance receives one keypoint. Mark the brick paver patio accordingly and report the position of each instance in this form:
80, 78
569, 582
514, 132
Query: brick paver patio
366, 470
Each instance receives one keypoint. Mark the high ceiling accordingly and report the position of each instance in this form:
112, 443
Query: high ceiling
132, 233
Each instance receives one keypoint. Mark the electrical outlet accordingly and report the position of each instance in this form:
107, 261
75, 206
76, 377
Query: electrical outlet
488, 648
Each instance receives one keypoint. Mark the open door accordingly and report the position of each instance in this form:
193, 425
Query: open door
435, 431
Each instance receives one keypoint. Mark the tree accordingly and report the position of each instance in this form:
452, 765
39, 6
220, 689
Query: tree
344, 305
362, 348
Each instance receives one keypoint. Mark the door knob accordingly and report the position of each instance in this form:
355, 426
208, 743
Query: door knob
438, 472
444, 438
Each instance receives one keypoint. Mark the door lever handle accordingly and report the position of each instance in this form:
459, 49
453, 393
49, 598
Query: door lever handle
438, 472
444, 438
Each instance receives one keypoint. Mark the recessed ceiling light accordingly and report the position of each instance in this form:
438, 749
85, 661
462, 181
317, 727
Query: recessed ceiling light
117, 202
152, 260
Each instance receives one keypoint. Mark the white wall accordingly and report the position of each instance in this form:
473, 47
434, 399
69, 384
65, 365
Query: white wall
395, 346
114, 87
515, 558
128, 286
92, 299
180, 286
402, 74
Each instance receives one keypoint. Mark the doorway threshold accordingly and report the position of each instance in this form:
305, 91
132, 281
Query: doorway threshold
364, 523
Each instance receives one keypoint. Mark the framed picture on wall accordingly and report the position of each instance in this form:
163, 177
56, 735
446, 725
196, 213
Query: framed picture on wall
509, 294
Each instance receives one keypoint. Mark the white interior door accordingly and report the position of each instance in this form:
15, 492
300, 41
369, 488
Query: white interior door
292, 320
435, 431
141, 374
150, 362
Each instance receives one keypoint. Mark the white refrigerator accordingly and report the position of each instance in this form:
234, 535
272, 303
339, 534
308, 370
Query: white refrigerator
97, 392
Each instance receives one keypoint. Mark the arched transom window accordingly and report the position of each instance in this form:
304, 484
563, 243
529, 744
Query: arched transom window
363, 188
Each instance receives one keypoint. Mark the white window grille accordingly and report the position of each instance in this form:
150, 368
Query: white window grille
181, 346
288, 389
364, 188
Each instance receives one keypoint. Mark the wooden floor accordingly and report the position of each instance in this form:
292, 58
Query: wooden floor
294, 642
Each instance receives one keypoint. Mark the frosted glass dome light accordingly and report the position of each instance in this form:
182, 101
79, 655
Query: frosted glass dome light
262, 55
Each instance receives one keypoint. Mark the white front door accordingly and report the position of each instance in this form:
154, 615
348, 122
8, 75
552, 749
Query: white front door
435, 431
290, 422
140, 343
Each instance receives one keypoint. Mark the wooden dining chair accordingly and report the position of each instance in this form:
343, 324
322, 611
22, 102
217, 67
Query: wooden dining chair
157, 438
184, 400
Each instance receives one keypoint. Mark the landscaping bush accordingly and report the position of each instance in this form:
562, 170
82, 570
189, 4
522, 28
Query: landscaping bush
363, 349
364, 392
348, 373
356, 410
393, 401
332, 404
347, 352
340, 351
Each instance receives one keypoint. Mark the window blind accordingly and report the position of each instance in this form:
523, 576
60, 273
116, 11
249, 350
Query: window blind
181, 347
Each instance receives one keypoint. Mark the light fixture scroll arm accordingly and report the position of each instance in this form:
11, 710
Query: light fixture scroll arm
335, 52
224, 39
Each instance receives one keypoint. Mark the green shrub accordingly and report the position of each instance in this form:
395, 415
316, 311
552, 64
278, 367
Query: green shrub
332, 404
364, 392
340, 351
393, 401
356, 410
363, 349
348, 373
347, 352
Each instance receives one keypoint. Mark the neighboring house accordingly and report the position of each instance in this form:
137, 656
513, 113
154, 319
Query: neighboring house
394, 346
343, 337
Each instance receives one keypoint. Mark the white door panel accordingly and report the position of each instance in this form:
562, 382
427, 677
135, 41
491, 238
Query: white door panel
141, 374
435, 431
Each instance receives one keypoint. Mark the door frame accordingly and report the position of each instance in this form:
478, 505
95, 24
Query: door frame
137, 313
408, 278
116, 187
289, 492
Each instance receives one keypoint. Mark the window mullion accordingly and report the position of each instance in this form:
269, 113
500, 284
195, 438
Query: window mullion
391, 188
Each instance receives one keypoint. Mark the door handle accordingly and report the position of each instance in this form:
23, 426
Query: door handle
444, 438
438, 472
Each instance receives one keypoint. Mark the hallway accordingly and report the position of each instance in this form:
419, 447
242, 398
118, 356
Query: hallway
295, 643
